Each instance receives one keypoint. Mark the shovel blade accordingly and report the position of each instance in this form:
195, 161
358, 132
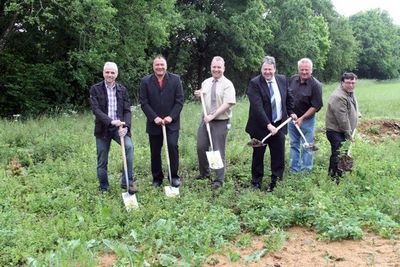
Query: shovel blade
214, 160
171, 191
310, 147
130, 201
255, 143
345, 163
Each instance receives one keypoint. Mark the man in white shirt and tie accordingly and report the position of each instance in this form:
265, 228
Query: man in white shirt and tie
219, 97
270, 105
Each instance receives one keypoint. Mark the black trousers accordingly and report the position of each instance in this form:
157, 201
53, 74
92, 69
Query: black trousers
276, 145
336, 140
156, 144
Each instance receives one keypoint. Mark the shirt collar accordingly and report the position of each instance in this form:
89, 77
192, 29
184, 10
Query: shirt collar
108, 87
272, 80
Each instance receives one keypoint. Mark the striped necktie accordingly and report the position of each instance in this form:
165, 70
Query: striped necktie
214, 96
273, 102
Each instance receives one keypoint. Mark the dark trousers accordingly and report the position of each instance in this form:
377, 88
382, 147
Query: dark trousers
156, 143
219, 132
276, 144
336, 140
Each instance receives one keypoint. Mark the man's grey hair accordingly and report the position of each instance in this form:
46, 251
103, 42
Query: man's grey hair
304, 60
218, 58
269, 60
112, 65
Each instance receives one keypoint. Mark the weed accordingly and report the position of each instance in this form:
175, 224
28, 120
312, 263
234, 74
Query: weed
53, 215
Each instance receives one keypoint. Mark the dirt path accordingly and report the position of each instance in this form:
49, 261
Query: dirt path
303, 249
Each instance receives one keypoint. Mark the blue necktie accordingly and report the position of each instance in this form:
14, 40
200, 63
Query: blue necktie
273, 102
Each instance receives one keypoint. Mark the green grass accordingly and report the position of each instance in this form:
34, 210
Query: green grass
53, 215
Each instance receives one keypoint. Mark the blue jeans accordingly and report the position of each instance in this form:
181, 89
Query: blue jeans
301, 159
103, 148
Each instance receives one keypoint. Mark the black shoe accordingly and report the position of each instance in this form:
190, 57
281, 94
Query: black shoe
201, 177
176, 182
271, 187
123, 185
157, 183
256, 187
105, 190
132, 189
216, 185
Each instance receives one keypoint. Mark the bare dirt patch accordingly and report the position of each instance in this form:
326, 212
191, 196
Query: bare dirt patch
303, 248
378, 130
107, 259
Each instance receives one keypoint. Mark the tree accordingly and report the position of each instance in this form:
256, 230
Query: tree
344, 49
380, 43
67, 43
235, 30
344, 52
298, 32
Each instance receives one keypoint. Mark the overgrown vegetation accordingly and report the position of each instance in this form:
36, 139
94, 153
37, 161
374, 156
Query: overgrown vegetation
52, 214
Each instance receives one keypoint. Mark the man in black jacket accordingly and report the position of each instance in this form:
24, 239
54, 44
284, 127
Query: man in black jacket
161, 99
111, 106
270, 105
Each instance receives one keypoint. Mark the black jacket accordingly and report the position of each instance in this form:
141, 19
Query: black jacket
157, 102
260, 112
99, 105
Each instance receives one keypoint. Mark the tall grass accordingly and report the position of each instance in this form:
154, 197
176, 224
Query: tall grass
53, 215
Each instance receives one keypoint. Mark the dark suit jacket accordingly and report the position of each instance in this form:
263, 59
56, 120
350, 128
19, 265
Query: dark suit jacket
161, 102
99, 105
260, 113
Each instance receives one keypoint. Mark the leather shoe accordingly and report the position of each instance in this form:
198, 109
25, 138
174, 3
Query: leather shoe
105, 190
176, 182
131, 184
157, 183
255, 187
216, 185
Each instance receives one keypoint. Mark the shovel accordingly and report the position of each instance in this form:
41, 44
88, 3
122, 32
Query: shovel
346, 162
169, 190
130, 200
257, 143
214, 157
307, 146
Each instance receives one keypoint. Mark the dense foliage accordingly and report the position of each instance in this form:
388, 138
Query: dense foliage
52, 51
52, 214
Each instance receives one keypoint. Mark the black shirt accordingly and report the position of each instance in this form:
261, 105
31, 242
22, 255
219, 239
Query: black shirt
305, 95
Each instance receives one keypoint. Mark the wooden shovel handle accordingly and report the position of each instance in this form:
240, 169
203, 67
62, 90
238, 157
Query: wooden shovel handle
203, 104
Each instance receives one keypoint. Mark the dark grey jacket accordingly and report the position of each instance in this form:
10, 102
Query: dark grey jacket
99, 105
157, 102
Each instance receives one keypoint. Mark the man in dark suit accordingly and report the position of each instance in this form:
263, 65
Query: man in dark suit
111, 106
161, 99
270, 105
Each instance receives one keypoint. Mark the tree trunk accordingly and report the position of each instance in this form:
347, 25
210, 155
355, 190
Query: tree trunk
7, 31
